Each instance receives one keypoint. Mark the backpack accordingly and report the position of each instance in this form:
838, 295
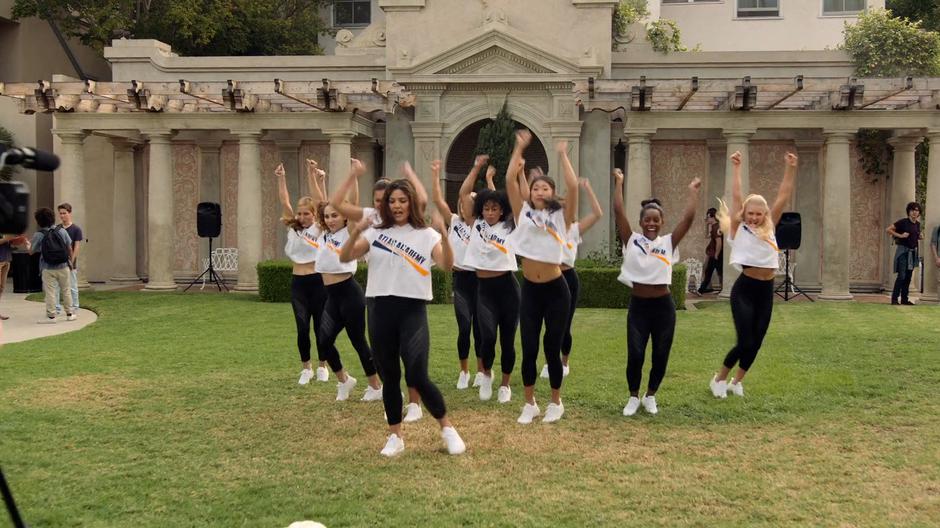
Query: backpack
55, 250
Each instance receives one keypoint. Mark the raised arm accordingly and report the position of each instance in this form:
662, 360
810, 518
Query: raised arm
466, 188
490, 174
588, 221
437, 195
287, 212
352, 211
571, 183
442, 254
786, 187
356, 246
737, 199
513, 187
315, 177
421, 194
620, 218
688, 216
353, 195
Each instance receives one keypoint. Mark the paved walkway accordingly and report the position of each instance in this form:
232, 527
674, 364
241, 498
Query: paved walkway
24, 315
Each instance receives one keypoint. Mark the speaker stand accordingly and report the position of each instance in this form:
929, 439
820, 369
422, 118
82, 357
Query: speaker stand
787, 285
210, 271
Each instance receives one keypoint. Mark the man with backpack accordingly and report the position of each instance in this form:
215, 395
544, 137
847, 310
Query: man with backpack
54, 246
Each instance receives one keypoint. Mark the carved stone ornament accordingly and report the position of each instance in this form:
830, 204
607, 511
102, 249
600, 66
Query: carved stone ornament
344, 37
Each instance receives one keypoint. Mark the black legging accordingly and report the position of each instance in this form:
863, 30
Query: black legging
712, 266
345, 308
752, 305
465, 310
546, 301
574, 287
307, 298
399, 328
656, 318
498, 307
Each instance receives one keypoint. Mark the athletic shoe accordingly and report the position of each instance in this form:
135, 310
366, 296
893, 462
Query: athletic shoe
544, 373
632, 405
372, 394
553, 412
323, 374
452, 440
46, 320
71, 317
305, 376
564, 371
343, 388
504, 394
907, 303
719, 388
477, 378
529, 411
413, 413
736, 388
486, 387
649, 404
463, 380
394, 446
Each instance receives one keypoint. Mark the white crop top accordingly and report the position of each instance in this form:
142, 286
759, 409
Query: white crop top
373, 214
571, 245
328, 256
400, 261
539, 234
459, 237
302, 246
647, 261
749, 249
490, 249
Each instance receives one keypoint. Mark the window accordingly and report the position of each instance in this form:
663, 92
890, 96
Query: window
843, 7
352, 13
758, 8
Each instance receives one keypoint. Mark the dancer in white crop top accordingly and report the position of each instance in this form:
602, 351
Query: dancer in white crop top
647, 268
539, 237
750, 224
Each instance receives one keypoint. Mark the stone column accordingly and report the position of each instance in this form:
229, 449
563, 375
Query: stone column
638, 181
124, 215
809, 205
249, 209
903, 184
160, 233
736, 141
427, 136
837, 222
71, 177
340, 152
932, 220
595, 165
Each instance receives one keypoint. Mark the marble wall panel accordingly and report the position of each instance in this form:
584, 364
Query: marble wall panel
185, 199
229, 176
673, 166
868, 233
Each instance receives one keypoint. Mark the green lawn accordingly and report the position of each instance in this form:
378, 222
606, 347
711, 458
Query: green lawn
183, 410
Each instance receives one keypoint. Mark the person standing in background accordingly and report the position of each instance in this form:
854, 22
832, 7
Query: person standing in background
77, 236
714, 252
6, 256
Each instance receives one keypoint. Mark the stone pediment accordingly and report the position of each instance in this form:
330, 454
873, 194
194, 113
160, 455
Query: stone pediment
495, 60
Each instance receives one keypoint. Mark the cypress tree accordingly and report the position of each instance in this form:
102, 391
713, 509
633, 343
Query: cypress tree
496, 139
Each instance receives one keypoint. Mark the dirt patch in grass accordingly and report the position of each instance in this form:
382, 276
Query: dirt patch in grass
86, 391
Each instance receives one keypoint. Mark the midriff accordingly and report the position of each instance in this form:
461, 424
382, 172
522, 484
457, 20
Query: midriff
330, 279
760, 273
540, 272
307, 268
489, 274
649, 291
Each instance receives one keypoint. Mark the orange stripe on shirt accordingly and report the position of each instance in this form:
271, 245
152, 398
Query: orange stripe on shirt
499, 246
409, 260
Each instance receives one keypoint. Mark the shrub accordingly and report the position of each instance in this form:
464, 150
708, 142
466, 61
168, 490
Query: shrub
883, 46
664, 35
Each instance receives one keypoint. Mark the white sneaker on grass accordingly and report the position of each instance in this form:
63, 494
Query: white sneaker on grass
372, 394
529, 411
477, 378
504, 394
632, 405
564, 371
413, 413
305, 376
46, 320
719, 388
486, 387
343, 388
649, 404
394, 446
553, 412
544, 373
71, 317
452, 440
736, 388
323, 374
463, 379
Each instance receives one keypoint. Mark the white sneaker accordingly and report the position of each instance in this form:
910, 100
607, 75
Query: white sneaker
544, 373
372, 394
649, 404
452, 440
564, 371
46, 320
486, 387
719, 388
736, 388
504, 394
553, 412
343, 388
305, 376
463, 380
394, 446
323, 374
529, 411
477, 378
632, 405
71, 317
413, 413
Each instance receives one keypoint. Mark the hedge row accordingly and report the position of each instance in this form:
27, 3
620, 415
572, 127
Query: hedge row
599, 286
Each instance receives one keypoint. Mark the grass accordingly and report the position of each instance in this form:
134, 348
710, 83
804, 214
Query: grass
183, 410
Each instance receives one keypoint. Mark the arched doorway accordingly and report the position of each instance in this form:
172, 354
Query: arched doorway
462, 152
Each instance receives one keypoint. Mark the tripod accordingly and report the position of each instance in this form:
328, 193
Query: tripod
213, 276
788, 283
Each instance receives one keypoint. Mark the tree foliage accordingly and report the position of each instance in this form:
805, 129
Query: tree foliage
496, 139
191, 27
885, 46
926, 11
